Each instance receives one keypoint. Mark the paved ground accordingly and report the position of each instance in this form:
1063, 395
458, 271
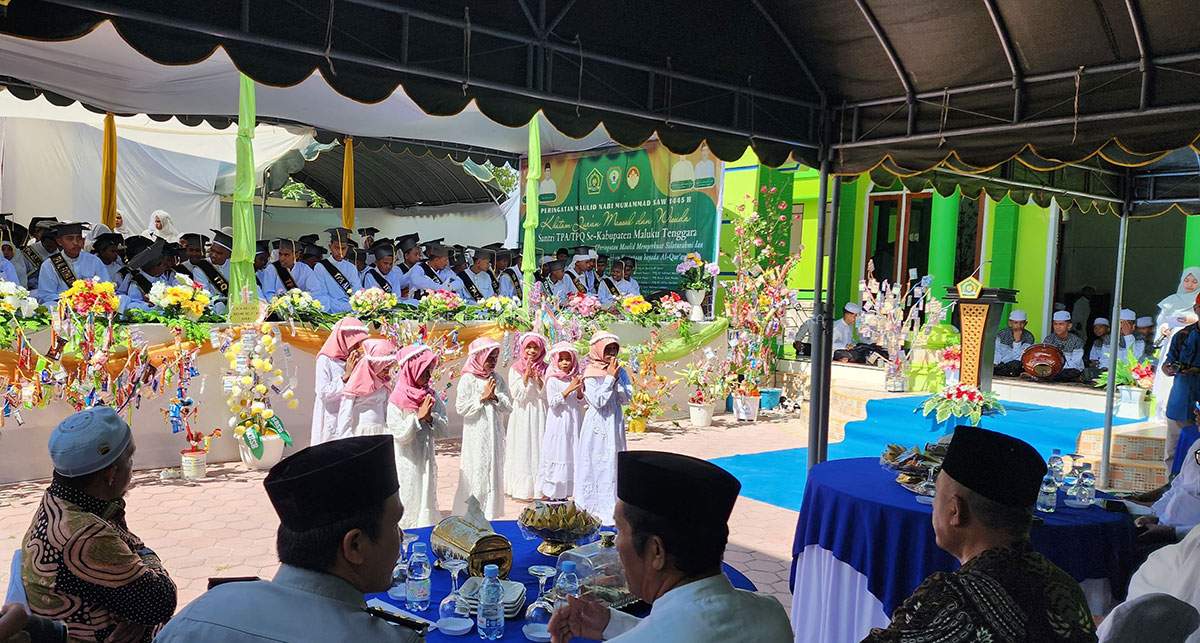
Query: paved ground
224, 525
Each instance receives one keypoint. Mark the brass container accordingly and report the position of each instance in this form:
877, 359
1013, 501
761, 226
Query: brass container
454, 537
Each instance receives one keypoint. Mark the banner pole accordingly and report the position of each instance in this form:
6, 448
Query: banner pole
533, 175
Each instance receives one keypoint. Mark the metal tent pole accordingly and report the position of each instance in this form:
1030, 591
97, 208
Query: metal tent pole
1114, 345
816, 372
826, 363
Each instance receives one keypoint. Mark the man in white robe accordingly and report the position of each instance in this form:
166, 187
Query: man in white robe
1129, 340
1173, 570
558, 284
408, 255
62, 268
285, 273
1011, 343
672, 519
335, 278
845, 336
43, 243
432, 274
630, 269
213, 273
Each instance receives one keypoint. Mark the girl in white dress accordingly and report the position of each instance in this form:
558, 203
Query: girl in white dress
482, 400
416, 418
607, 388
343, 342
363, 410
1174, 312
564, 412
528, 419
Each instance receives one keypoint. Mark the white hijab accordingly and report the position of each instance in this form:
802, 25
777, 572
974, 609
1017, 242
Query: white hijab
168, 232
18, 262
1180, 303
96, 231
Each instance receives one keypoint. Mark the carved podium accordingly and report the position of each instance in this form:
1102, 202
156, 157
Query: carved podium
979, 311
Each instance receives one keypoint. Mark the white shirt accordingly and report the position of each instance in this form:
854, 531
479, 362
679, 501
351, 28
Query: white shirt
703, 611
843, 335
482, 282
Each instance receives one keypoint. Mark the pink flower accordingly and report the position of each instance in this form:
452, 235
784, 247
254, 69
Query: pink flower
782, 206
758, 242
783, 217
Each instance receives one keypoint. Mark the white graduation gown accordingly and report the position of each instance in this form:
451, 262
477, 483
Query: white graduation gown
326, 290
416, 467
327, 399
523, 442
563, 416
481, 472
709, 610
508, 285
601, 437
366, 415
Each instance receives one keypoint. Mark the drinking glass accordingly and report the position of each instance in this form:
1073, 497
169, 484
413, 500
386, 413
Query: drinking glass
454, 617
537, 615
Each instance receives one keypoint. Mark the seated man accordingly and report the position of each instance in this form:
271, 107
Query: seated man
144, 270
672, 517
335, 278
630, 269
1011, 342
1004, 591
1172, 570
845, 334
557, 282
285, 273
62, 268
383, 274
1096, 350
213, 273
338, 539
1176, 506
624, 286
476, 283
80, 563
1144, 327
1069, 343
508, 273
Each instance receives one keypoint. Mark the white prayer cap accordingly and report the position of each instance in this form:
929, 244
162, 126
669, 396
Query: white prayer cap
1145, 321
852, 307
88, 441
577, 258
1128, 315
592, 254
1018, 315
1101, 321
1062, 315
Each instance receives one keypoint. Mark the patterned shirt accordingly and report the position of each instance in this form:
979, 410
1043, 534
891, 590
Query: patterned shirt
1007, 594
82, 566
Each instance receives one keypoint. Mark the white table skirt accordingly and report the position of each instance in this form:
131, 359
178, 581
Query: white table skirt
832, 604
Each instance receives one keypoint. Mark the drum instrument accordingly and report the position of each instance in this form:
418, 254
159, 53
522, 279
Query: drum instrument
1043, 361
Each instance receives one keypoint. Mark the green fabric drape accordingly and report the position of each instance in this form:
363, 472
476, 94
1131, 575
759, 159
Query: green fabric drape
243, 295
533, 174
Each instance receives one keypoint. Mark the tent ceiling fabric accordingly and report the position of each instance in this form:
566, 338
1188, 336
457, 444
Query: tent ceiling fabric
914, 83
386, 178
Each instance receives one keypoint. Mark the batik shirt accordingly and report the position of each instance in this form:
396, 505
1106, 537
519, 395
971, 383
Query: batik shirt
81, 565
1071, 347
1007, 594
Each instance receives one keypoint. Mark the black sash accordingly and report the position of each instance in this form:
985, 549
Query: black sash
578, 284
612, 287
432, 274
138, 278
517, 285
338, 276
381, 280
404, 268
469, 284
62, 268
183, 271
214, 276
34, 258
495, 282
285, 275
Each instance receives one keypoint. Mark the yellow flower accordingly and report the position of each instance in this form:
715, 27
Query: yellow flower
247, 380
291, 404
288, 394
268, 414
260, 389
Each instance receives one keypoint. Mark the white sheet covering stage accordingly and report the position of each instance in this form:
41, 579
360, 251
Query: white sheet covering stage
102, 70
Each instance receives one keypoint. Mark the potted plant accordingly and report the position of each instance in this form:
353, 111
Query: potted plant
746, 401
695, 275
958, 403
1134, 379
251, 381
649, 388
706, 386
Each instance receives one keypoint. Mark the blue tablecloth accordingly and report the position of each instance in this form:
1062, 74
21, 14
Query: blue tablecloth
855, 509
525, 554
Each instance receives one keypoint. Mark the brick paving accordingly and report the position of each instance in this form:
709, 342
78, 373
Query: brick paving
224, 525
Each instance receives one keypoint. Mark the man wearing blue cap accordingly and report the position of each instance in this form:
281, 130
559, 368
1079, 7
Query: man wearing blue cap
80, 563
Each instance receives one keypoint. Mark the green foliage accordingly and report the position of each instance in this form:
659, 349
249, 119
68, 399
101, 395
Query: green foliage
1126, 375
192, 331
506, 177
298, 191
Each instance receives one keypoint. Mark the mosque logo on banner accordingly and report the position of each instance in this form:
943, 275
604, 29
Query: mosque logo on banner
593, 181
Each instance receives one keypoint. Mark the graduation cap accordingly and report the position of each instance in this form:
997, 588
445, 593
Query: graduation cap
195, 239
368, 232
223, 239
383, 249
484, 253
152, 253
358, 253
262, 247
494, 246
338, 234
107, 239
38, 223
16, 233
505, 254
308, 238
582, 250
65, 228
290, 244
313, 250
436, 249
434, 242
136, 244
602, 259
557, 264
352, 243
174, 250
629, 261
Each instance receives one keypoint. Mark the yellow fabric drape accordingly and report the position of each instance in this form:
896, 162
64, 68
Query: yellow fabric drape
108, 174
348, 185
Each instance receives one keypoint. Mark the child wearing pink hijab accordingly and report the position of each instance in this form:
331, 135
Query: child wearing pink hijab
416, 418
564, 413
528, 419
363, 410
482, 400
343, 341
607, 388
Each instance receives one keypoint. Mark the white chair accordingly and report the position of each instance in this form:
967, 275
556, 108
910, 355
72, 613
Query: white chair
16, 589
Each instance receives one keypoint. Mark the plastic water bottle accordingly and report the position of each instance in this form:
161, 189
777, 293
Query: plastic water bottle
1055, 466
416, 589
1048, 494
1087, 486
490, 620
567, 583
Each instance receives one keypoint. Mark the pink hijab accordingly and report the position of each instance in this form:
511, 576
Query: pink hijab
522, 364
554, 370
347, 333
597, 365
413, 361
477, 356
370, 373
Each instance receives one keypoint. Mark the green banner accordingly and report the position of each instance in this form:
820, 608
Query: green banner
243, 296
649, 204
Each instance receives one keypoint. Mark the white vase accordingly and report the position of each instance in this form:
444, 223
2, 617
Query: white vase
272, 453
701, 415
1133, 403
745, 407
696, 299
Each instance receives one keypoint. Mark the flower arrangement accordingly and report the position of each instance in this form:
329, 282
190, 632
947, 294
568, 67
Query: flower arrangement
186, 299
505, 311
892, 314
373, 305
18, 310
674, 306
252, 378
694, 273
439, 304
635, 305
951, 362
583, 304
297, 305
649, 388
91, 297
705, 379
961, 401
1130, 372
